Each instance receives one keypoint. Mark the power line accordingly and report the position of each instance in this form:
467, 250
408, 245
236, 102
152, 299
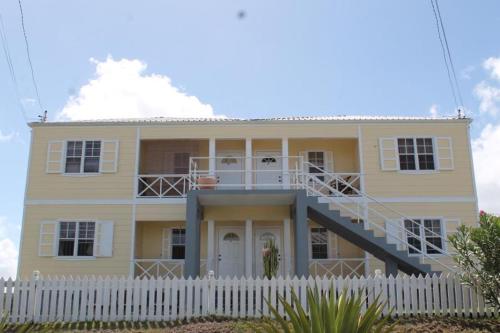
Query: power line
449, 55
29, 56
448, 61
5, 46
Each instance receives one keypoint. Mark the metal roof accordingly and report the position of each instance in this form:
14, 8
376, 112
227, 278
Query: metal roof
167, 120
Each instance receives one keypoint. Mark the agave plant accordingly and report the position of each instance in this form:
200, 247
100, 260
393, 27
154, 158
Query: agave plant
327, 314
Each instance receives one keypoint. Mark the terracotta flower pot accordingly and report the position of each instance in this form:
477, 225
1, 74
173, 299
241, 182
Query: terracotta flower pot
207, 183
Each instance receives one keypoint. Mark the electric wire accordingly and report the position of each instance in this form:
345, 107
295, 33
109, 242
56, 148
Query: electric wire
8, 58
29, 56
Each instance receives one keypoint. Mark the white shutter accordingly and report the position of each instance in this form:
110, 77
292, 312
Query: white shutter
444, 153
394, 232
303, 154
109, 156
47, 244
328, 161
55, 157
165, 252
388, 148
450, 227
104, 239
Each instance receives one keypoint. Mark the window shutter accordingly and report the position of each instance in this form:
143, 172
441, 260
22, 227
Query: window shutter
450, 227
388, 148
444, 153
303, 154
394, 232
109, 156
55, 157
47, 245
328, 161
104, 239
165, 253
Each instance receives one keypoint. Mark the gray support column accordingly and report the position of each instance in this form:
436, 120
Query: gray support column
301, 235
193, 221
391, 268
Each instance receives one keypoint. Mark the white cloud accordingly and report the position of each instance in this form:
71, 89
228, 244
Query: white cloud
121, 89
486, 151
433, 110
8, 251
466, 72
7, 137
493, 65
489, 92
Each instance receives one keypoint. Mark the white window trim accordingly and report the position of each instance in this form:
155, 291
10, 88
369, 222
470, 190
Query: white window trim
325, 158
170, 243
82, 162
442, 228
75, 248
417, 161
328, 243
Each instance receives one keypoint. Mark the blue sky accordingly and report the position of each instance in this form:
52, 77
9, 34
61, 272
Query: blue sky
283, 58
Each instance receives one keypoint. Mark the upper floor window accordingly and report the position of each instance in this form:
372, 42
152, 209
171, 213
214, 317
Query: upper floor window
178, 244
317, 159
181, 163
424, 231
416, 154
76, 239
319, 243
82, 156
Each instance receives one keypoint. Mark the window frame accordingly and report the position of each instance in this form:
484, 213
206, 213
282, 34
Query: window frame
328, 245
82, 157
76, 239
417, 169
423, 239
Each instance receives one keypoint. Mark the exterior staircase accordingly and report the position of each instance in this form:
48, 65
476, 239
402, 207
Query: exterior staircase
365, 239
328, 204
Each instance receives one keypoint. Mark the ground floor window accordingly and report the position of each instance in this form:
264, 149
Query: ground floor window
178, 244
424, 231
76, 239
319, 243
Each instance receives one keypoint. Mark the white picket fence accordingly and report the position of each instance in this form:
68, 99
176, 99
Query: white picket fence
118, 298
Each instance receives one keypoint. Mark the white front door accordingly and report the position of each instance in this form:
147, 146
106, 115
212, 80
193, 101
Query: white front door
261, 238
231, 253
230, 170
268, 170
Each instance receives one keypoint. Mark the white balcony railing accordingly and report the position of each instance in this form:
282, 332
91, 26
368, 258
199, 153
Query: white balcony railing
337, 267
267, 172
163, 186
163, 268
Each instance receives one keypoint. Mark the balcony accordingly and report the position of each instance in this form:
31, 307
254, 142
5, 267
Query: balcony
171, 168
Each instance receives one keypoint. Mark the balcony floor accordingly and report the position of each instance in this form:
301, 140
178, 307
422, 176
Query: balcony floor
245, 197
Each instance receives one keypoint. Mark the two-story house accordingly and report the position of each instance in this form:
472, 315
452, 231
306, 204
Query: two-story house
171, 197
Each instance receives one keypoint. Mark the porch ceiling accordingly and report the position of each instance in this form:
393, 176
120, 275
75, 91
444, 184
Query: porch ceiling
246, 197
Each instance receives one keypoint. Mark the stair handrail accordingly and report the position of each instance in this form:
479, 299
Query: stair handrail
403, 241
396, 236
366, 195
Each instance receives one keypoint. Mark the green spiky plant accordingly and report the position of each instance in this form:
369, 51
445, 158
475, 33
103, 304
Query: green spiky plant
327, 315
270, 259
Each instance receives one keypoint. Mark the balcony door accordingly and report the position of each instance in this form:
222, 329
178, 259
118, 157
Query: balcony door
230, 170
268, 170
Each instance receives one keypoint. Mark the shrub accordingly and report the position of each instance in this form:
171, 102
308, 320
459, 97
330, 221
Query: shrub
478, 256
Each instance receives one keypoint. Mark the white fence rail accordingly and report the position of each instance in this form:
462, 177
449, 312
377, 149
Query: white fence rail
118, 298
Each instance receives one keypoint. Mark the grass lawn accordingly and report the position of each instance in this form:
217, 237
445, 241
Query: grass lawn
409, 325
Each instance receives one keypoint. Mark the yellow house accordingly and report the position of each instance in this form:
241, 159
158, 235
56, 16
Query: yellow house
171, 197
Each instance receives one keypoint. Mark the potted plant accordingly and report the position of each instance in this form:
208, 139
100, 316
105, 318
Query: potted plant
206, 182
